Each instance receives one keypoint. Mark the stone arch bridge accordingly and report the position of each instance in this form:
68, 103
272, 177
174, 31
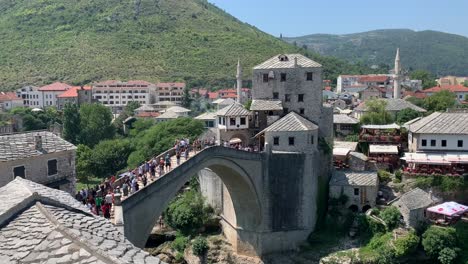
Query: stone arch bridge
270, 204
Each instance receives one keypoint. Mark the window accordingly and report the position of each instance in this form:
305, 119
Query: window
286, 110
309, 76
52, 167
283, 77
265, 77
232, 121
460, 143
275, 95
300, 97
301, 111
423, 142
356, 191
312, 139
443, 143
433, 142
242, 120
276, 141
291, 141
287, 98
19, 172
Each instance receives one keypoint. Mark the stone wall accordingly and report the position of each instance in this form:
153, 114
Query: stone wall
36, 170
211, 188
302, 141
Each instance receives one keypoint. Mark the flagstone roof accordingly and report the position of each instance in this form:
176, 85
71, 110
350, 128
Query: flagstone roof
207, 116
235, 109
354, 178
415, 199
394, 105
22, 146
344, 119
284, 61
441, 123
291, 122
266, 105
43, 225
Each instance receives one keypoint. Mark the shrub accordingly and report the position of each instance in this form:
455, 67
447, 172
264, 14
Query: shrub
180, 243
398, 175
179, 257
199, 246
437, 238
407, 244
391, 216
447, 255
384, 176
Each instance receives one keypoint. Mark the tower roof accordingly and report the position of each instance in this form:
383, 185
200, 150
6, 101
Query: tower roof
291, 122
285, 61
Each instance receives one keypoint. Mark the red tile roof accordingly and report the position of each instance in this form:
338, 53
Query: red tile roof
175, 84
229, 90
452, 88
416, 94
327, 88
131, 82
56, 86
229, 95
148, 114
8, 96
73, 92
372, 78
213, 95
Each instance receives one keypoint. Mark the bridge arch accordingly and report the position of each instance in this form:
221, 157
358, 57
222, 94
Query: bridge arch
240, 172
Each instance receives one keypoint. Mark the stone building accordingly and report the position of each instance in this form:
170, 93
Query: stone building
360, 187
41, 157
43, 225
170, 92
344, 125
76, 95
393, 107
413, 205
233, 123
209, 118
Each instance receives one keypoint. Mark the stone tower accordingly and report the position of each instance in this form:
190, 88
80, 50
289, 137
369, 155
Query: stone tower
239, 81
397, 77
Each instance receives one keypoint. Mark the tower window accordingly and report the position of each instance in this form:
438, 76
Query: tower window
232, 121
287, 98
423, 142
356, 191
52, 167
443, 143
275, 95
301, 111
283, 77
300, 98
242, 120
291, 141
286, 110
433, 142
265, 77
276, 141
312, 139
19, 171
460, 143
309, 76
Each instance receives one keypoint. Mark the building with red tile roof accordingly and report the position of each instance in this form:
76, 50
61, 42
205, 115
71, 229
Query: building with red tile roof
56, 86
459, 90
172, 92
75, 95
9, 100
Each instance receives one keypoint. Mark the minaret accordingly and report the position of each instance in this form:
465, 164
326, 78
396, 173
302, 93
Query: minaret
397, 77
239, 81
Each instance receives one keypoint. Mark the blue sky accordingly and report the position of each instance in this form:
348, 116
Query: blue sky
302, 17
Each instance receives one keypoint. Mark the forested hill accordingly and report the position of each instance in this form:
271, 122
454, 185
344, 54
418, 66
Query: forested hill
438, 52
155, 40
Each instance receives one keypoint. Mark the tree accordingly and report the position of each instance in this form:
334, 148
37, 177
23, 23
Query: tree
406, 115
199, 245
186, 99
248, 104
84, 166
391, 216
465, 83
186, 212
95, 124
440, 101
376, 113
71, 123
447, 255
427, 78
110, 156
435, 239
407, 244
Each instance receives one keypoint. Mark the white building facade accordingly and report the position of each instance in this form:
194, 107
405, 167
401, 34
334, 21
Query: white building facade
117, 94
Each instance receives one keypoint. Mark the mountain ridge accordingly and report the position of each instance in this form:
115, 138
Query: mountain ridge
439, 52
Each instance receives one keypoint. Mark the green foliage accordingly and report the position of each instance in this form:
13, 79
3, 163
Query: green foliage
376, 113
199, 245
465, 83
95, 124
186, 98
71, 123
435, 239
398, 175
369, 226
447, 255
141, 125
406, 115
187, 213
180, 242
406, 245
84, 163
427, 78
384, 176
110, 156
248, 104
352, 138
128, 111
440, 101
36, 120
391, 216
443, 183
437, 52
162, 136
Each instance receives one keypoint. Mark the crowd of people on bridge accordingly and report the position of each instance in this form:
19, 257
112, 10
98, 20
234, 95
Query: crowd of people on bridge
98, 199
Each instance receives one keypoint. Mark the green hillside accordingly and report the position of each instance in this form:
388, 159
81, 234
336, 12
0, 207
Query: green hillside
438, 52
156, 40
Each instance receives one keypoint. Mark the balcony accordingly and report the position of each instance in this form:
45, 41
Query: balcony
380, 138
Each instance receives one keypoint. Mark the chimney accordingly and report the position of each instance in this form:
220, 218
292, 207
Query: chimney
295, 62
38, 142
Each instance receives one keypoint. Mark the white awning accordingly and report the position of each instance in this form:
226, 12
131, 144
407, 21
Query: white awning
449, 208
341, 151
383, 149
391, 126
434, 158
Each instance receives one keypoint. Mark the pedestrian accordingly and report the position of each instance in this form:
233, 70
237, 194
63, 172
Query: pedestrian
186, 153
106, 210
161, 166
168, 162
125, 188
178, 158
144, 180
98, 204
